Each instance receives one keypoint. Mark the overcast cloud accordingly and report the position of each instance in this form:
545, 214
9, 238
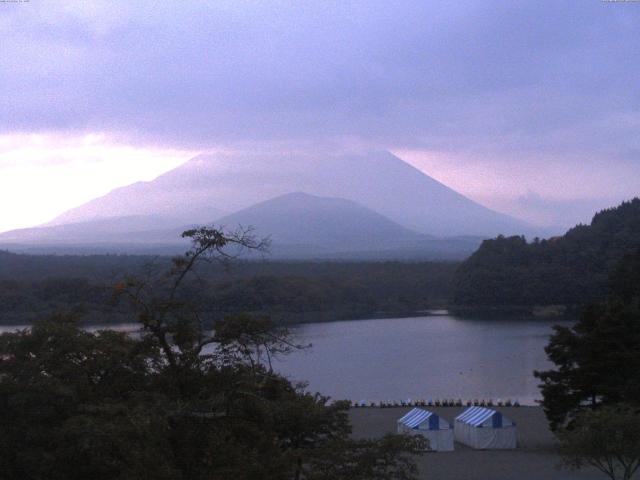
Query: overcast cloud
528, 90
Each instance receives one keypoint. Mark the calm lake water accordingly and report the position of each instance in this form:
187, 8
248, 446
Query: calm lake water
421, 358
430, 357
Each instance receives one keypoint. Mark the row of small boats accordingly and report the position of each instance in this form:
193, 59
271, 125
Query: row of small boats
436, 403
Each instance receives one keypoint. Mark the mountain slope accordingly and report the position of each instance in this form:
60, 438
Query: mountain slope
569, 270
332, 224
125, 229
207, 187
300, 226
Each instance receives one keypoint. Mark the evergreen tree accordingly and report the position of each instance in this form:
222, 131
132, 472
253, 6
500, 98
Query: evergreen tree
598, 359
569, 270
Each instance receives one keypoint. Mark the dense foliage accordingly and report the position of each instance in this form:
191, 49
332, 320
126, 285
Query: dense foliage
179, 402
33, 286
598, 359
607, 439
568, 270
78, 405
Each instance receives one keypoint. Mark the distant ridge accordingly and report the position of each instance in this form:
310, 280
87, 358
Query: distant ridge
299, 225
307, 226
313, 206
209, 187
334, 224
132, 228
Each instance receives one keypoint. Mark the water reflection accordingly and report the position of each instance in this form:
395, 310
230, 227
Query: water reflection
435, 356
426, 357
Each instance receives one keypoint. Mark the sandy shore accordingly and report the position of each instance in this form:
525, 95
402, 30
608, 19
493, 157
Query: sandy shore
535, 457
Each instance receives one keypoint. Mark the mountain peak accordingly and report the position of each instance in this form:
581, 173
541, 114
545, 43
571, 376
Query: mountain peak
210, 186
336, 224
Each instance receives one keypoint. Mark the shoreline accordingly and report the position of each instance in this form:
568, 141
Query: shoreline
447, 402
292, 319
535, 458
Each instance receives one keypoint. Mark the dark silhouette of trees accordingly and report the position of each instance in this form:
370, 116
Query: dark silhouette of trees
178, 400
598, 359
607, 439
34, 287
569, 270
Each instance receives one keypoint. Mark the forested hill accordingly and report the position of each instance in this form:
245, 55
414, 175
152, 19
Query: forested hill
568, 270
35, 287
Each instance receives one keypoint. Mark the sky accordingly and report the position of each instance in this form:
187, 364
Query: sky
528, 107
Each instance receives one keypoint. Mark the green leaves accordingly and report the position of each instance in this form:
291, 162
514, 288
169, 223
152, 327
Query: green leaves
598, 359
570, 270
387, 458
607, 439
175, 401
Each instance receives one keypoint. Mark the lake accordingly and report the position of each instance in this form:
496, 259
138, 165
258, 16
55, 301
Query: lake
428, 357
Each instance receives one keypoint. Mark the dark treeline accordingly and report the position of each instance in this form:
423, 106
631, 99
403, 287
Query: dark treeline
598, 358
33, 286
570, 270
179, 401
591, 395
21, 267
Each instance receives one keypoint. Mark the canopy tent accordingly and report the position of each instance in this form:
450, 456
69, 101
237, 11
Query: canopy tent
483, 428
435, 429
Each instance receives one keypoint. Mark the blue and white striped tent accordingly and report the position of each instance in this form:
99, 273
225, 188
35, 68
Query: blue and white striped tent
431, 426
484, 428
